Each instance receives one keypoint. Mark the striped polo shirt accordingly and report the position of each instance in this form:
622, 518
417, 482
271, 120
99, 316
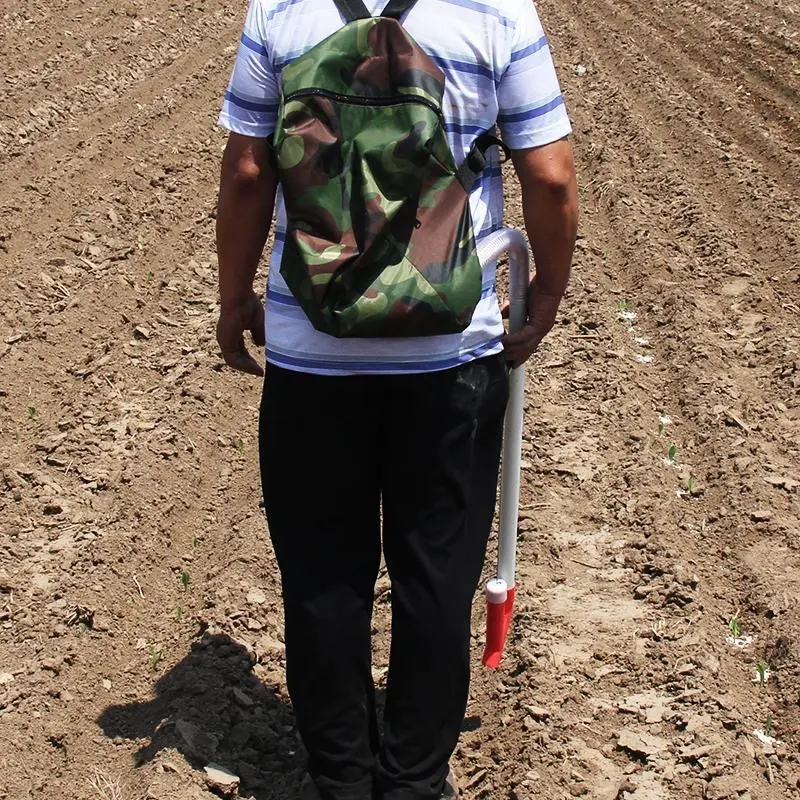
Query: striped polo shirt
498, 70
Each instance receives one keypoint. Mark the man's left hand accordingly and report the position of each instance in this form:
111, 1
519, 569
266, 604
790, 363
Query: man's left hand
522, 344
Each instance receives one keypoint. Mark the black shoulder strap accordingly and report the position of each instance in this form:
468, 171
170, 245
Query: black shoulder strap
396, 8
352, 10
476, 160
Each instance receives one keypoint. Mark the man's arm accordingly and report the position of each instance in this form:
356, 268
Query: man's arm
550, 209
244, 214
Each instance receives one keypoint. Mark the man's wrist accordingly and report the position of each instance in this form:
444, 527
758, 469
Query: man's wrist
231, 303
231, 296
538, 290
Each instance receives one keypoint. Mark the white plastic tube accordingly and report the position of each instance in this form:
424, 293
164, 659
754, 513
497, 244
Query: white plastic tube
500, 590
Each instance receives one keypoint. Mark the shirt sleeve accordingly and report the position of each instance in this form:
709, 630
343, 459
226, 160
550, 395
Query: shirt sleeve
531, 109
251, 102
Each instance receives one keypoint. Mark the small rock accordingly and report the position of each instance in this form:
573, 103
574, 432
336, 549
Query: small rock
197, 743
761, 515
697, 722
655, 714
685, 577
222, 780
641, 743
52, 664
782, 482
40, 581
239, 735
269, 647
528, 723
725, 786
256, 597
100, 623
5, 678
538, 713
244, 700
710, 662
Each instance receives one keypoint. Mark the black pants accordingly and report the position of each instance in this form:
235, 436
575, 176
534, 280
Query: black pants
334, 451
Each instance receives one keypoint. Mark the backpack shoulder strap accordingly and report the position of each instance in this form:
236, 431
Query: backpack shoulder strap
352, 10
476, 160
396, 8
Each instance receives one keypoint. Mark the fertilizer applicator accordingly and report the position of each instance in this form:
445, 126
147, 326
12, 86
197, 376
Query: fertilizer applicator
500, 590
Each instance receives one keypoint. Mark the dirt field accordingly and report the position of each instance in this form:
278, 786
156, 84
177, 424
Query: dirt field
139, 621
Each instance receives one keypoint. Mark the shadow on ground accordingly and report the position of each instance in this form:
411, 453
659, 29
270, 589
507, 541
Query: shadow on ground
211, 707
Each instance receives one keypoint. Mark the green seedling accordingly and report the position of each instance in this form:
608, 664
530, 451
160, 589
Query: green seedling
178, 612
185, 579
154, 658
672, 452
31, 412
196, 541
735, 626
768, 725
150, 276
622, 306
762, 668
690, 484
240, 447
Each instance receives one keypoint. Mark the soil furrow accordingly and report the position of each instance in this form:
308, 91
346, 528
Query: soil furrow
118, 86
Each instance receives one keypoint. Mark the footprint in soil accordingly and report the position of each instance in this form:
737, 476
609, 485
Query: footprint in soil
212, 708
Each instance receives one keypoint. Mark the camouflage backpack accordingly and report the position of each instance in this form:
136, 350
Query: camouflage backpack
379, 237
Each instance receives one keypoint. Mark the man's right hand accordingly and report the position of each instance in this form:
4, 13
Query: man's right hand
236, 317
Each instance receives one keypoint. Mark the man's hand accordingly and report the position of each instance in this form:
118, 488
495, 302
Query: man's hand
522, 344
234, 319
244, 213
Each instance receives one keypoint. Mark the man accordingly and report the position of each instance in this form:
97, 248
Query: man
391, 445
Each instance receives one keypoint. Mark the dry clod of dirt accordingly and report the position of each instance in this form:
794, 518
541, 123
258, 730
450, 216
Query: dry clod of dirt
221, 780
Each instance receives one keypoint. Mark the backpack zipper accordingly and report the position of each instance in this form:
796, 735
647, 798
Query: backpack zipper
366, 101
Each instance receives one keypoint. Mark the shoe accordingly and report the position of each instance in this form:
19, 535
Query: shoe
450, 787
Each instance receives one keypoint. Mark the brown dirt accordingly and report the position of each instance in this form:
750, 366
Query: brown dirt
128, 454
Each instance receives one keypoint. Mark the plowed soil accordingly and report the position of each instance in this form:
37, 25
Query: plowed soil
140, 627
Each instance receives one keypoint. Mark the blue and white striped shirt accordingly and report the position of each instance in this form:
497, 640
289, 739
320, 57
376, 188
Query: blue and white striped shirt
498, 70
